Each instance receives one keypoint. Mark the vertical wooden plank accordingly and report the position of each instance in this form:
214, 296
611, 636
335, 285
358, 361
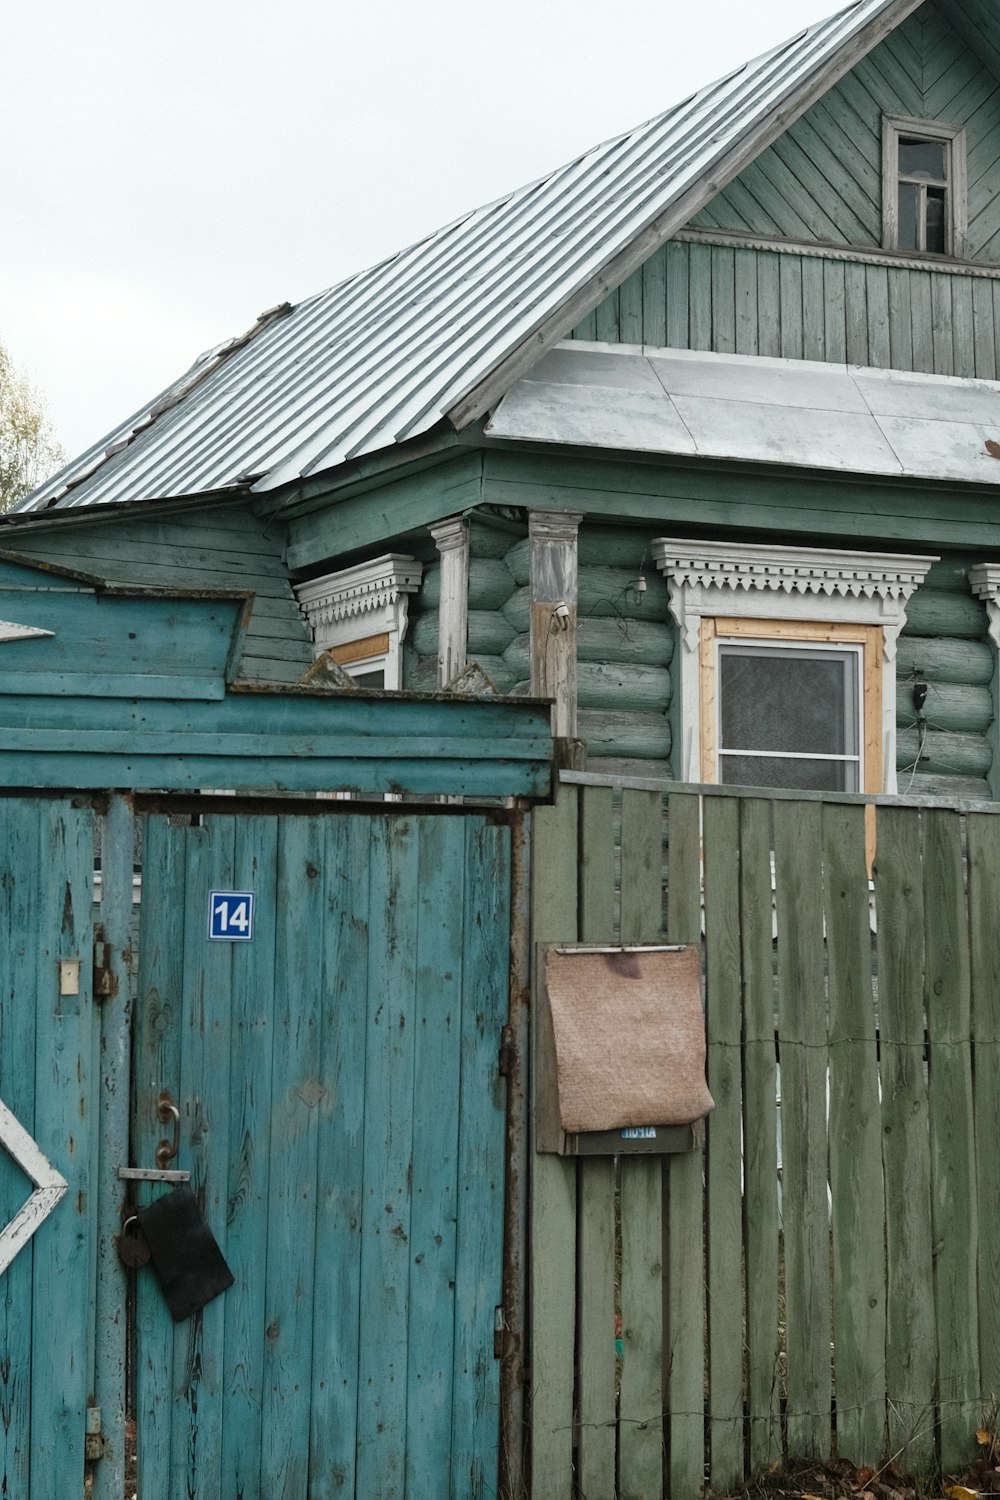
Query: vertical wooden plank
920, 321
553, 1186
802, 1024
596, 1363
835, 303
19, 918
962, 325
677, 295
760, 1134
607, 325
685, 1362
475, 1430
745, 300
339, 1165
724, 1205
437, 1076
856, 314
157, 1066
654, 299
641, 1403
813, 310
984, 330
910, 1351
768, 304
900, 329
983, 835
723, 300
942, 331
700, 296
65, 1105
952, 1138
200, 1091
388, 1145
251, 1046
790, 292
630, 303
877, 297
855, 1142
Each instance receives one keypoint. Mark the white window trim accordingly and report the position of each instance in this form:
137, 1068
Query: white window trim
709, 580
356, 604
953, 136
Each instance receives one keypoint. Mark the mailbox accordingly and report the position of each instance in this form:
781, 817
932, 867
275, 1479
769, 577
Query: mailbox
619, 1050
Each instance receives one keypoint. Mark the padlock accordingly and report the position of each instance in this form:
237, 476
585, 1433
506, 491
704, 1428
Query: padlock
185, 1255
133, 1249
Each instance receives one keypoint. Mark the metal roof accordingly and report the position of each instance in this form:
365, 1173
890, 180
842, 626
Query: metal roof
385, 355
738, 406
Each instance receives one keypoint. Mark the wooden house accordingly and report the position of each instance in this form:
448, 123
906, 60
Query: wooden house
698, 437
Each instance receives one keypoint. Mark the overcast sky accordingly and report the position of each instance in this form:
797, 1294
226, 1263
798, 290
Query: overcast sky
169, 171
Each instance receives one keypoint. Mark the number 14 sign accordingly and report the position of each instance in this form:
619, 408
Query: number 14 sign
230, 916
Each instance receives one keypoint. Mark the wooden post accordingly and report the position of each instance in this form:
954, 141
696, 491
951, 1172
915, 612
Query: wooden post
451, 538
553, 614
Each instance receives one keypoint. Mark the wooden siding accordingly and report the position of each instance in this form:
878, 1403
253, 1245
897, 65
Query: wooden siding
735, 1277
739, 300
213, 547
822, 179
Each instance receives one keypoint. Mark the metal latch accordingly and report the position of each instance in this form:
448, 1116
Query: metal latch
93, 1444
105, 981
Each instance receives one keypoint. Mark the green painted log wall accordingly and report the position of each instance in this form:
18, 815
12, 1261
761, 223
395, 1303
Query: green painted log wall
213, 547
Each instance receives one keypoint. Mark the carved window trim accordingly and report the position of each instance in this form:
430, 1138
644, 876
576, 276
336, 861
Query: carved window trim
360, 614
783, 592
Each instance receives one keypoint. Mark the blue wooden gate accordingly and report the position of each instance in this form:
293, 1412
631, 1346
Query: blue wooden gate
48, 1056
342, 1117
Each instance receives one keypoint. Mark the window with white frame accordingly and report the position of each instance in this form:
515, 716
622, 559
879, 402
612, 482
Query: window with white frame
923, 187
786, 662
359, 615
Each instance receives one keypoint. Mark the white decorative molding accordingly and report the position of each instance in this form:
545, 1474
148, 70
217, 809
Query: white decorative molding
366, 600
49, 1184
984, 580
11, 632
554, 567
808, 584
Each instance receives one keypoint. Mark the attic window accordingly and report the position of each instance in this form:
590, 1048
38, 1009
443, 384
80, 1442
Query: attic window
923, 197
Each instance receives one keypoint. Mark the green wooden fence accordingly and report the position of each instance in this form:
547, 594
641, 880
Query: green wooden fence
823, 1279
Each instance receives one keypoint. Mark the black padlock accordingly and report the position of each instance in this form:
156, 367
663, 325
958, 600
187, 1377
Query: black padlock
185, 1254
133, 1249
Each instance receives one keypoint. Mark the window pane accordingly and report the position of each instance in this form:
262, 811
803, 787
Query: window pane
798, 775
935, 237
778, 700
908, 196
370, 679
926, 159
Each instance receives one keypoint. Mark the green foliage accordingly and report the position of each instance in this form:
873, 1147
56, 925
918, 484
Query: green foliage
28, 449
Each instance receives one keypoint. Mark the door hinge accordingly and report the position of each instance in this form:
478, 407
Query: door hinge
105, 979
93, 1443
505, 1059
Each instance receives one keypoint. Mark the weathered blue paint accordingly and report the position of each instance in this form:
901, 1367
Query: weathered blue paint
343, 1119
47, 1061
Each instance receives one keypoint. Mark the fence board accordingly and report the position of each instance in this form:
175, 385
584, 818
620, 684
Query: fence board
984, 863
641, 1420
910, 1352
953, 1195
855, 1142
685, 1217
723, 1172
760, 1135
596, 1364
553, 1186
802, 1025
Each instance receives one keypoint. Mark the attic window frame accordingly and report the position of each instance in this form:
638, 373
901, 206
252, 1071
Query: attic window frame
900, 127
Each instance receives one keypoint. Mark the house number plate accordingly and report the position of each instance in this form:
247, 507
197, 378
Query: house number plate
230, 916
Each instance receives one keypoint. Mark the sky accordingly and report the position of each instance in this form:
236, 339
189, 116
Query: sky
169, 171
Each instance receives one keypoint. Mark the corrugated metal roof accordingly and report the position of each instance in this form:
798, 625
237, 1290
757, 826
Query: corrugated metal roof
385, 355
777, 411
